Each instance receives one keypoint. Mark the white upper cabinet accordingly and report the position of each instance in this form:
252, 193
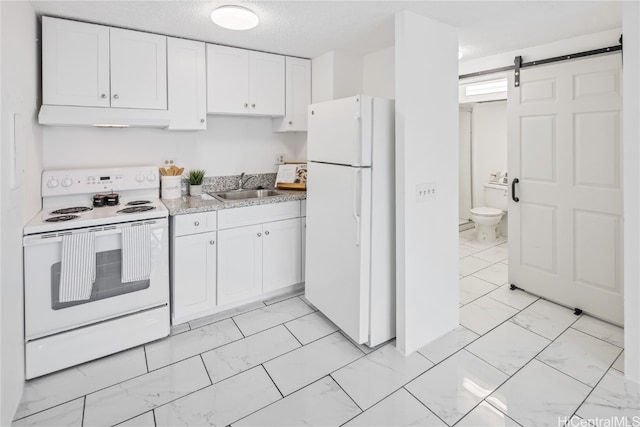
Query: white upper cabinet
244, 82
187, 82
97, 66
75, 62
138, 70
227, 77
266, 84
298, 96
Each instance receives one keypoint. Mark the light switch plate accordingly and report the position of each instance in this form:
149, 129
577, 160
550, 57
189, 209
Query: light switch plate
426, 191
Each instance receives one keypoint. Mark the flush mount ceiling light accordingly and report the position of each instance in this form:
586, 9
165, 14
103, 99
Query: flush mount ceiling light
234, 18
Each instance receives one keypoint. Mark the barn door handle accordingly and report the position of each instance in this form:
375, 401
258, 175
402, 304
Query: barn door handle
513, 190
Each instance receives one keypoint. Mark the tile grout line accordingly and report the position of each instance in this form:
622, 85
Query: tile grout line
241, 333
591, 335
526, 364
84, 407
224, 318
345, 392
146, 360
273, 382
272, 403
423, 404
294, 335
205, 368
282, 323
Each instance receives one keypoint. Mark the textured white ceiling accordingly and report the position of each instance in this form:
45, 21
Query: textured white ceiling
311, 28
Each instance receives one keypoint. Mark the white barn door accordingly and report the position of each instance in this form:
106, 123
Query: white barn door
564, 143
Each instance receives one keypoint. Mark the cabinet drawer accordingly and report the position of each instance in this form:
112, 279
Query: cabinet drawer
238, 217
194, 223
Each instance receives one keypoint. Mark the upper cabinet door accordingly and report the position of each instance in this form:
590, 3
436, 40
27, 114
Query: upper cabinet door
227, 77
299, 71
138, 70
187, 77
298, 96
75, 63
266, 84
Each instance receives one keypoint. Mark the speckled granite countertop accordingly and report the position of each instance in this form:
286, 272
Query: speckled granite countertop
189, 204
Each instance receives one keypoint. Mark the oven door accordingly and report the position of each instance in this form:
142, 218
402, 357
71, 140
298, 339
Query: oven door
110, 298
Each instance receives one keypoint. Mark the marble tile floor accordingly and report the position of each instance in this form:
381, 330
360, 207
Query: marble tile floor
515, 360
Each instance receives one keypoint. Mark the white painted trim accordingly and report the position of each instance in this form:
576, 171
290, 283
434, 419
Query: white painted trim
631, 185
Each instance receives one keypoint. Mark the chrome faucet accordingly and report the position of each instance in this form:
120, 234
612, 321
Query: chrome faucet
243, 181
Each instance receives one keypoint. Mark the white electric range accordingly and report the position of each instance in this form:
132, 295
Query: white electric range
115, 313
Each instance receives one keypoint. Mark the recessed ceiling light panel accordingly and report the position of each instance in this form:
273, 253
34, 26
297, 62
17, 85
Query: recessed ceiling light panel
234, 18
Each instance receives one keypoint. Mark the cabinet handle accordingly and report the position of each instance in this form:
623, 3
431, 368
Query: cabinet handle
246, 105
253, 105
116, 96
259, 234
196, 223
201, 120
290, 122
103, 96
212, 242
266, 233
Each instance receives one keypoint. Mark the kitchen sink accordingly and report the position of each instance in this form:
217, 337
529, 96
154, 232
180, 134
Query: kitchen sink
244, 194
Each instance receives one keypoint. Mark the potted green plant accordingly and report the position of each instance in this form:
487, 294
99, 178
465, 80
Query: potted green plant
195, 177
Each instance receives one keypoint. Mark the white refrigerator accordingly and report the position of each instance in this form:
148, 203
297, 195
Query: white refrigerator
350, 236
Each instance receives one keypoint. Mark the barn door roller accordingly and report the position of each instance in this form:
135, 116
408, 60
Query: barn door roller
517, 63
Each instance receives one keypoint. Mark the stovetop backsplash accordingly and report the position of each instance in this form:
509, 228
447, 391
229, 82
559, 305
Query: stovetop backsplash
215, 184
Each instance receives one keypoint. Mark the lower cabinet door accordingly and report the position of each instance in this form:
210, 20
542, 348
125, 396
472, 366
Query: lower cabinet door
281, 254
239, 263
194, 275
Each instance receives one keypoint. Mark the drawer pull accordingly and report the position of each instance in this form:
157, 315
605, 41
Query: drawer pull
212, 242
196, 223
266, 233
259, 234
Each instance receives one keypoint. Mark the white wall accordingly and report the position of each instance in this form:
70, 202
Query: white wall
230, 145
322, 78
347, 74
631, 178
488, 145
378, 73
426, 89
20, 90
335, 75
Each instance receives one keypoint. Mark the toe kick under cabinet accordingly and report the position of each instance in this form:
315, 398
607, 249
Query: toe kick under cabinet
234, 256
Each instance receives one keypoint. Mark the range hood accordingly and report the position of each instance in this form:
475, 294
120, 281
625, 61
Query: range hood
59, 115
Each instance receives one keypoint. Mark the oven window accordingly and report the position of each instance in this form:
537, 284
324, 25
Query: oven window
107, 284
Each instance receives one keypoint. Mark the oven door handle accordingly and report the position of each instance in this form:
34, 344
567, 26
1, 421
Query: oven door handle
47, 238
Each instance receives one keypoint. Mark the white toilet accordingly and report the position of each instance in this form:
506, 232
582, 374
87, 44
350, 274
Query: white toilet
487, 218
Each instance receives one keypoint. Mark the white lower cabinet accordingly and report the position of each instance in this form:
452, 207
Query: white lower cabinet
194, 276
240, 259
232, 256
281, 254
257, 259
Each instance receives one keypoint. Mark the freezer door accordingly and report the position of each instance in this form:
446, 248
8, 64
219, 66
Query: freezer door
338, 252
340, 131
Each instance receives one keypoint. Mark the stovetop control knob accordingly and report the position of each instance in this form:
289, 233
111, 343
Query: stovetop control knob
52, 183
151, 177
140, 177
67, 182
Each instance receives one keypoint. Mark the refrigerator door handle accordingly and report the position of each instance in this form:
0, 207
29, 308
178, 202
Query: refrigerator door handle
357, 188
